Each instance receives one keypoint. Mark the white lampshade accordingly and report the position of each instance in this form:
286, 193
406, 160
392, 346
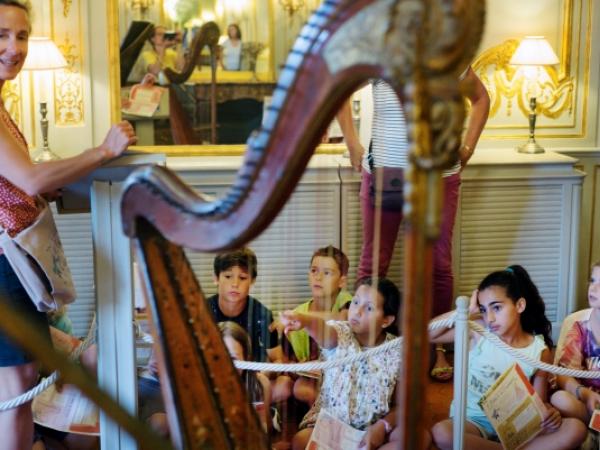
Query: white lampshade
43, 55
534, 51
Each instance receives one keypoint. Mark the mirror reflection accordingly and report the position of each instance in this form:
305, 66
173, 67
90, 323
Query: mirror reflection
221, 98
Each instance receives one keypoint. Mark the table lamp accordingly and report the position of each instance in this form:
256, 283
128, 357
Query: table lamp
533, 52
43, 56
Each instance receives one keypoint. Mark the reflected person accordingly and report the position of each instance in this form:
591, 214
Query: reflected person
162, 52
231, 55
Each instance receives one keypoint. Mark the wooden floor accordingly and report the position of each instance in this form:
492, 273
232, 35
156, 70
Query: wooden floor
437, 402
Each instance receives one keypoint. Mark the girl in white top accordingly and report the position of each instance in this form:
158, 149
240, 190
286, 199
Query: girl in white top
510, 306
359, 394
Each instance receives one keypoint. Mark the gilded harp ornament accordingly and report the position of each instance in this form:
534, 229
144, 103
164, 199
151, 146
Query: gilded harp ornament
420, 48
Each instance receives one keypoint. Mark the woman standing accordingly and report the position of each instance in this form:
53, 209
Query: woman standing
389, 148
20, 182
232, 48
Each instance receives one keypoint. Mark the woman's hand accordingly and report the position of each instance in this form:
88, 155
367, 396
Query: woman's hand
374, 437
356, 151
552, 419
290, 321
118, 138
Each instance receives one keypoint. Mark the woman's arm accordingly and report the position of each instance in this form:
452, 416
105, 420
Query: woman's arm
36, 179
475, 91
314, 324
344, 117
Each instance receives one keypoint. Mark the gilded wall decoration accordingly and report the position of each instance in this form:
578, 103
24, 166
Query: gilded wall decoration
68, 85
66, 7
11, 96
506, 83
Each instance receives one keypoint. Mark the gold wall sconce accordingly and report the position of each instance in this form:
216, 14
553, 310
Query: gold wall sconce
291, 6
510, 94
141, 5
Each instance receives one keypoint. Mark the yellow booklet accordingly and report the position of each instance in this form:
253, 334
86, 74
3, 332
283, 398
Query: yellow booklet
513, 408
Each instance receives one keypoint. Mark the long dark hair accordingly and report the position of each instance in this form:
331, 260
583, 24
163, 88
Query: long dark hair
391, 300
517, 283
237, 29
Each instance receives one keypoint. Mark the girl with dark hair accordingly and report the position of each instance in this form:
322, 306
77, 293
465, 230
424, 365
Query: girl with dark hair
359, 394
508, 303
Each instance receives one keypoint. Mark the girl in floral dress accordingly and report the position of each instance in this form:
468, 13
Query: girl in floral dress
581, 397
359, 394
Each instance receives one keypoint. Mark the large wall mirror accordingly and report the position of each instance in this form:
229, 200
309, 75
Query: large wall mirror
224, 108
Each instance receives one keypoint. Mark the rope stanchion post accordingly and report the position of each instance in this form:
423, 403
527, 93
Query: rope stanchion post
461, 354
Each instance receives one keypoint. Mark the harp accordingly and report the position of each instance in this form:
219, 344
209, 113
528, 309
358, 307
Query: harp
131, 47
207, 36
331, 57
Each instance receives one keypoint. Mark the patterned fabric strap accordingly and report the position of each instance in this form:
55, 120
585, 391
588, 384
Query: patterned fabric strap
17, 209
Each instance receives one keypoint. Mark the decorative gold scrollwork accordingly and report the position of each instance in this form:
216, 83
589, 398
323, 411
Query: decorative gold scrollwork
69, 87
12, 100
503, 81
66, 7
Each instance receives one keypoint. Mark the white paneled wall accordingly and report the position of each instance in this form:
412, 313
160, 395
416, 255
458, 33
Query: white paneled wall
311, 219
503, 224
507, 215
76, 235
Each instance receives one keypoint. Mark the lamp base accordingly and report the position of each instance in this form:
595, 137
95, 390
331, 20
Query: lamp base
44, 155
530, 147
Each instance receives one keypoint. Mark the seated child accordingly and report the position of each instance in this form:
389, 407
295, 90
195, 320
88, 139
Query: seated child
580, 397
512, 308
151, 405
359, 394
327, 278
257, 385
234, 274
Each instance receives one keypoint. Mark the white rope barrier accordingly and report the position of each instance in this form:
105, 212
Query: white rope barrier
443, 323
334, 362
323, 365
45, 383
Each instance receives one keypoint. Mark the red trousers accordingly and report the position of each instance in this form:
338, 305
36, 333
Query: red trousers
390, 223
